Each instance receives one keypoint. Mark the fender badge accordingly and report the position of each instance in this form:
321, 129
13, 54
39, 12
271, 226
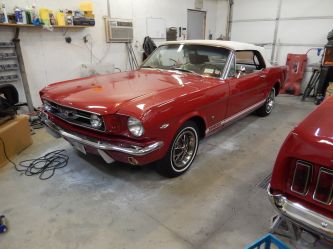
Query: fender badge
163, 126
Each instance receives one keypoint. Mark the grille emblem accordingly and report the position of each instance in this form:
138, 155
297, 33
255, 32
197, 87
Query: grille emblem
70, 114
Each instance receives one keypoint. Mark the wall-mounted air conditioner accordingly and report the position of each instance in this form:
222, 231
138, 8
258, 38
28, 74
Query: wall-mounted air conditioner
118, 30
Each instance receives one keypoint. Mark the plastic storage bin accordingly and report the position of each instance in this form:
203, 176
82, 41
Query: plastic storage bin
269, 241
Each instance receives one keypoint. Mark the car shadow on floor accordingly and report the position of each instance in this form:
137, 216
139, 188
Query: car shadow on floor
121, 170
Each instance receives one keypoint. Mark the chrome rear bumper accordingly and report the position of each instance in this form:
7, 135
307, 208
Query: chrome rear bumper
133, 151
314, 221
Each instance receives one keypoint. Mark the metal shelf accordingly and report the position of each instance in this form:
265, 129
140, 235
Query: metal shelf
7, 56
9, 78
8, 67
7, 45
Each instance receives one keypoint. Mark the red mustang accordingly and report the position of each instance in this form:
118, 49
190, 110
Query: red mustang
183, 92
302, 182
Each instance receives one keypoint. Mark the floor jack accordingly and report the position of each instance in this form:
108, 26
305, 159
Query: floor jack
282, 226
3, 227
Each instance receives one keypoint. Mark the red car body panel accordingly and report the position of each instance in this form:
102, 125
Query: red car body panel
158, 97
311, 141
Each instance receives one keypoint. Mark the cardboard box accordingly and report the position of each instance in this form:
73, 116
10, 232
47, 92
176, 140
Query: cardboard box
16, 135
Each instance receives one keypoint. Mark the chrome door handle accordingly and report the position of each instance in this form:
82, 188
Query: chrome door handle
262, 76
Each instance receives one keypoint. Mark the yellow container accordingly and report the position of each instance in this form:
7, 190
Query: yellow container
86, 6
45, 15
60, 18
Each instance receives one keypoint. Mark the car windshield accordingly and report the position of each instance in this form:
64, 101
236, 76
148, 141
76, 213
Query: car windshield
196, 59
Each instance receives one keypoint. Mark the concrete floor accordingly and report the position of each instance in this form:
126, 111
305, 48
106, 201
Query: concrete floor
90, 204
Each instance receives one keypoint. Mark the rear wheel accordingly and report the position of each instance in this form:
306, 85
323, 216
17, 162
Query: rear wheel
267, 108
181, 153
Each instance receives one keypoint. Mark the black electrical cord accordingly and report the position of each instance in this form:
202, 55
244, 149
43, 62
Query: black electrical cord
44, 166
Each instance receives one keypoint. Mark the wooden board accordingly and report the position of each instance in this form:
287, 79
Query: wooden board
14, 25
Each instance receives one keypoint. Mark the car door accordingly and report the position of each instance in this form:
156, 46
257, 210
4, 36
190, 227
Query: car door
246, 88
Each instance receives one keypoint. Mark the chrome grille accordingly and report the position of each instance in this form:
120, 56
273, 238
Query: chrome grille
74, 116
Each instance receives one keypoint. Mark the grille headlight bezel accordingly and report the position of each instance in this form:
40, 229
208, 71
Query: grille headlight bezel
47, 106
96, 122
135, 127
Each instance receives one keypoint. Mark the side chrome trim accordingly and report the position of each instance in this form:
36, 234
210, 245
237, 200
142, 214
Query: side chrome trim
314, 221
134, 151
235, 116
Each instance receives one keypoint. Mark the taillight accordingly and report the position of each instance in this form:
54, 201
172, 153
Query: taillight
302, 176
324, 188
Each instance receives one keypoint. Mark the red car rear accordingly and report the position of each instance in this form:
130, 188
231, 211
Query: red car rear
302, 182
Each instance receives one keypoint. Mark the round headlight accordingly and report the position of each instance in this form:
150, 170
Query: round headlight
47, 106
135, 127
95, 121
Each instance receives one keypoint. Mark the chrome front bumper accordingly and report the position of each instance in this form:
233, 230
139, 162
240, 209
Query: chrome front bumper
132, 151
303, 216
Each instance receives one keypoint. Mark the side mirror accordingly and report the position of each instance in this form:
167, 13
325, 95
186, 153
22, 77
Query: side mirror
241, 70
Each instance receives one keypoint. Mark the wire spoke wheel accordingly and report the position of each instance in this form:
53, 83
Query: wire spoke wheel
181, 152
270, 101
184, 148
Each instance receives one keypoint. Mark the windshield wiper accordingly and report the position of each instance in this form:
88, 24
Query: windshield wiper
150, 67
185, 70
159, 69
147, 67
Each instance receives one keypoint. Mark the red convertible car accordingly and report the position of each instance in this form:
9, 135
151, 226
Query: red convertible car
183, 92
301, 188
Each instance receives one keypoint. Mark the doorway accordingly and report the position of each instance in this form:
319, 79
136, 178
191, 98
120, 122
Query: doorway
196, 24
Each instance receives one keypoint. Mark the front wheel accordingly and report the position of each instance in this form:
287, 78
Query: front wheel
267, 108
181, 153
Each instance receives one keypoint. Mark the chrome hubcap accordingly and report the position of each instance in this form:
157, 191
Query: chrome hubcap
184, 149
270, 101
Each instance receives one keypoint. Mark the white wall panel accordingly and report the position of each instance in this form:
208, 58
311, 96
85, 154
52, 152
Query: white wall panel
254, 9
221, 18
302, 22
306, 8
304, 31
253, 32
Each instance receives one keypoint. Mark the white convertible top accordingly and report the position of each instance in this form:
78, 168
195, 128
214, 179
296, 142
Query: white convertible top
232, 45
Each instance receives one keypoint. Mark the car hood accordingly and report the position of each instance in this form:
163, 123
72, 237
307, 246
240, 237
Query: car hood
106, 94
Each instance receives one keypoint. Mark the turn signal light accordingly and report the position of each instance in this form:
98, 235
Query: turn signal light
324, 188
302, 176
